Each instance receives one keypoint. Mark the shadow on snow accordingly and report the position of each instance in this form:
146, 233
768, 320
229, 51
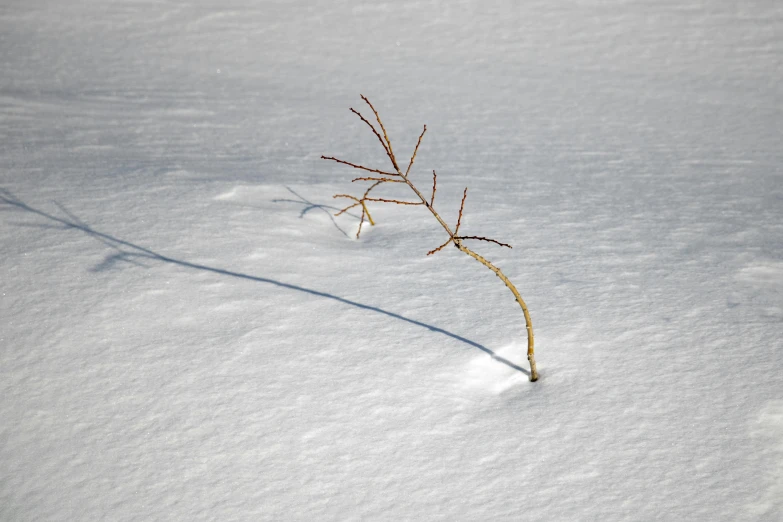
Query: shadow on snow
72, 222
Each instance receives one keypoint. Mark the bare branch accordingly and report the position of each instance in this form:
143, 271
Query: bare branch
440, 247
349, 197
413, 157
349, 207
394, 201
461, 207
359, 114
346, 209
389, 180
385, 135
483, 239
362, 167
367, 192
434, 186
361, 220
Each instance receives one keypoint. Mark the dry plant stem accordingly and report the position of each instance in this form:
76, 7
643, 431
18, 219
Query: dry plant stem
434, 187
484, 239
453, 237
389, 180
361, 167
528, 322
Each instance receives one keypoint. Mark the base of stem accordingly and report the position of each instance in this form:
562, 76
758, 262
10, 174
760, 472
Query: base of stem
533, 371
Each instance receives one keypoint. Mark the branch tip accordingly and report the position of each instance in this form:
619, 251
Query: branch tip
377, 135
440, 247
461, 207
434, 187
479, 238
413, 157
382, 180
388, 144
360, 167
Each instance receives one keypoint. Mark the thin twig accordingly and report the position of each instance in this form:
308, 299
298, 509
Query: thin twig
461, 206
483, 239
359, 114
434, 186
389, 180
440, 247
361, 221
385, 135
347, 196
413, 157
361, 167
381, 200
367, 192
346, 209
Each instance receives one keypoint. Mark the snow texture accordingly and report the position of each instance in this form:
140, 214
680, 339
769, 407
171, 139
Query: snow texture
188, 333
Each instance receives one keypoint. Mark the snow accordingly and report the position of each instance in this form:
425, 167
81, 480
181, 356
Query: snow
188, 333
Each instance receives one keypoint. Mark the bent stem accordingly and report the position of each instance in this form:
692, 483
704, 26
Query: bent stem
528, 322
399, 177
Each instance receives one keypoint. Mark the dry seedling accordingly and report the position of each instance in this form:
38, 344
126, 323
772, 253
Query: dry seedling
380, 177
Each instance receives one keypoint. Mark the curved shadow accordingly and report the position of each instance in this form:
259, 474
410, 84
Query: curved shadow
74, 223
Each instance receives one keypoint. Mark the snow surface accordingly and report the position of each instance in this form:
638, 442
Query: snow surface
187, 333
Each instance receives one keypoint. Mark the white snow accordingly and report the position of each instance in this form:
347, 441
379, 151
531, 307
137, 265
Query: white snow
188, 333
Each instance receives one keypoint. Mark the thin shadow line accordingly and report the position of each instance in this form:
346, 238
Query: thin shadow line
9, 199
309, 205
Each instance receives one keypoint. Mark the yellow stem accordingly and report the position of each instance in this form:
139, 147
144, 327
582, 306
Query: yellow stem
528, 323
369, 217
